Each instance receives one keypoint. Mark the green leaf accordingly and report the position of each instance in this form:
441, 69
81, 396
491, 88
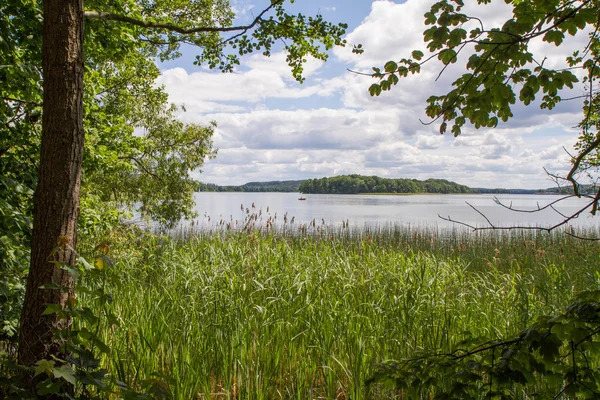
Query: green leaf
65, 373
86, 314
430, 18
417, 55
456, 37
44, 367
48, 387
447, 56
73, 271
554, 36
375, 89
393, 79
86, 265
103, 262
52, 309
390, 66
53, 286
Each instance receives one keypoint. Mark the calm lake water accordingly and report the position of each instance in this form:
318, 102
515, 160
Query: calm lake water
383, 210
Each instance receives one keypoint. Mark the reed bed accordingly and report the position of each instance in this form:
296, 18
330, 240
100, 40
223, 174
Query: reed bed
259, 314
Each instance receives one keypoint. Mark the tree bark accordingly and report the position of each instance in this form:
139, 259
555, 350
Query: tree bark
56, 202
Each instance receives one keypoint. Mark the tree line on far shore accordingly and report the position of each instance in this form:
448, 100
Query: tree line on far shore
345, 184
354, 184
273, 186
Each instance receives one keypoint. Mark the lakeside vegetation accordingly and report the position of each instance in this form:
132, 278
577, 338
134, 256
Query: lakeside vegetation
308, 312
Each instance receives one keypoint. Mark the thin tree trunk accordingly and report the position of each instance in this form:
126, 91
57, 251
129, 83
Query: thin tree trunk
56, 205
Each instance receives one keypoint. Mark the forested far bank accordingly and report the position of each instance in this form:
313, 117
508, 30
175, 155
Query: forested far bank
273, 186
345, 184
354, 184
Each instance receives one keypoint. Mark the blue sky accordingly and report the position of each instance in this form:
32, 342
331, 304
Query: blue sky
272, 128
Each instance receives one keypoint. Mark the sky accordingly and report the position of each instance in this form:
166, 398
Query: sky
269, 127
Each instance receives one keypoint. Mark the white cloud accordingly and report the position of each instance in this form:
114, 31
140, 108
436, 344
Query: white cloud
307, 129
429, 141
390, 31
262, 137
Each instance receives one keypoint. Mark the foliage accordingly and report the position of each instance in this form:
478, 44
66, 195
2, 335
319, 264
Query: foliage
20, 98
502, 59
168, 24
80, 374
555, 357
390, 186
136, 149
353, 184
151, 164
556, 190
121, 167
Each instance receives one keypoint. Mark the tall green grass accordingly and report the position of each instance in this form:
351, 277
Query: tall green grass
255, 315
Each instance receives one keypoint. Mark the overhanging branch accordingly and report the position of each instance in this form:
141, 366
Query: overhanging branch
176, 28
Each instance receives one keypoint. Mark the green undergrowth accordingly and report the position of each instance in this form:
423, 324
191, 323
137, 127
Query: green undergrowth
251, 315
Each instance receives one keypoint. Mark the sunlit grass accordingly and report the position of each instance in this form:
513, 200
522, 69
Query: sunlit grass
305, 314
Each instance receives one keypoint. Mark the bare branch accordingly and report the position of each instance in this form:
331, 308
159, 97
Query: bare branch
480, 213
577, 162
575, 97
591, 239
492, 227
450, 62
359, 73
549, 205
558, 212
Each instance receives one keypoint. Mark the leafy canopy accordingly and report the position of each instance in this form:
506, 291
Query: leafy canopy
503, 66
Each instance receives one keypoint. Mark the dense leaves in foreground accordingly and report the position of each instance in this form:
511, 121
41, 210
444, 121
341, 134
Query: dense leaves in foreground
556, 357
121, 169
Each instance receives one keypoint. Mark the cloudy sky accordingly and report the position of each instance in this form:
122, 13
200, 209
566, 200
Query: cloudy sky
272, 128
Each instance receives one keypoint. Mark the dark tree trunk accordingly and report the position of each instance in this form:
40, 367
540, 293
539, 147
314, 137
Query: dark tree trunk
56, 205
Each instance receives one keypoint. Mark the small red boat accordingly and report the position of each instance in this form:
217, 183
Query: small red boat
301, 198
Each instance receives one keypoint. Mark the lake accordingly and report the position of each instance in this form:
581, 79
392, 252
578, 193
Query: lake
383, 210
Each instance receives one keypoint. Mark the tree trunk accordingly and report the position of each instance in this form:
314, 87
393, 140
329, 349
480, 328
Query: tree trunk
56, 204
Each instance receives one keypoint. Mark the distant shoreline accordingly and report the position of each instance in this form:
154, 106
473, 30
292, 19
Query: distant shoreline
373, 185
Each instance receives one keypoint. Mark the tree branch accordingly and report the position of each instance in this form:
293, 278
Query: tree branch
550, 228
177, 28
